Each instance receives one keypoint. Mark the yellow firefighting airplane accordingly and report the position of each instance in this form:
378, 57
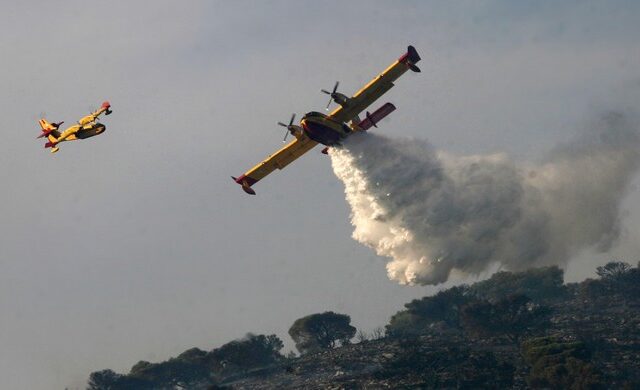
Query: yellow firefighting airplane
85, 128
330, 129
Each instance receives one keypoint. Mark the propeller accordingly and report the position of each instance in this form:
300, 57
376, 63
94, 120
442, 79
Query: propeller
289, 126
331, 94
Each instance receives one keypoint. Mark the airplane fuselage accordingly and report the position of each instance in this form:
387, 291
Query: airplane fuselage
320, 128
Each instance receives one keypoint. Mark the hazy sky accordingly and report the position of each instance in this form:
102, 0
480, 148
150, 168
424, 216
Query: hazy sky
136, 245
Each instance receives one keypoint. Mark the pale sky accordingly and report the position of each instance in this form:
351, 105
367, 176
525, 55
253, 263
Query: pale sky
136, 245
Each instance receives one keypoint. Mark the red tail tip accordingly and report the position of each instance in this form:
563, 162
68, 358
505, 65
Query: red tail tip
106, 104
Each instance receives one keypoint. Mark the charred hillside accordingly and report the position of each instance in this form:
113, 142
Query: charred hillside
515, 330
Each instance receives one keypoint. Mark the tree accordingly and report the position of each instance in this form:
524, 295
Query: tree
316, 332
539, 284
556, 364
175, 372
512, 316
443, 307
103, 380
252, 351
616, 277
613, 270
109, 380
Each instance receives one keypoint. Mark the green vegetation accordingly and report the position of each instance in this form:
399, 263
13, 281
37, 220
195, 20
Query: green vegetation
316, 332
242, 355
487, 305
524, 329
615, 278
541, 285
195, 368
420, 314
512, 317
559, 365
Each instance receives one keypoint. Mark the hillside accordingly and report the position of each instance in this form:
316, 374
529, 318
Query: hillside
515, 330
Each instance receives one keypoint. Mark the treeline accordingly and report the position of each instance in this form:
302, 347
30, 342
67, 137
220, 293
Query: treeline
506, 304
509, 304
196, 368
513, 308
518, 309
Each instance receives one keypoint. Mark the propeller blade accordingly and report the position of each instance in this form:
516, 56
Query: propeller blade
328, 104
289, 126
332, 94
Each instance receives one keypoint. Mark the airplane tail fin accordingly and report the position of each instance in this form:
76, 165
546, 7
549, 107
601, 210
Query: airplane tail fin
107, 107
48, 128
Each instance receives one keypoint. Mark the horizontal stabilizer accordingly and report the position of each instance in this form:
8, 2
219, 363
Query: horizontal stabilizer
245, 182
376, 116
411, 57
48, 128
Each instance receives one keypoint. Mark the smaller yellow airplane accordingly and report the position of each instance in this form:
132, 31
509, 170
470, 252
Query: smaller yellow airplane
85, 128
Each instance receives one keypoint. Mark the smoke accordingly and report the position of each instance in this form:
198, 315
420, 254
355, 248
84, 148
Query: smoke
437, 215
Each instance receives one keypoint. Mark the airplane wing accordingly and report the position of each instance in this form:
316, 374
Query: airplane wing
376, 87
280, 159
